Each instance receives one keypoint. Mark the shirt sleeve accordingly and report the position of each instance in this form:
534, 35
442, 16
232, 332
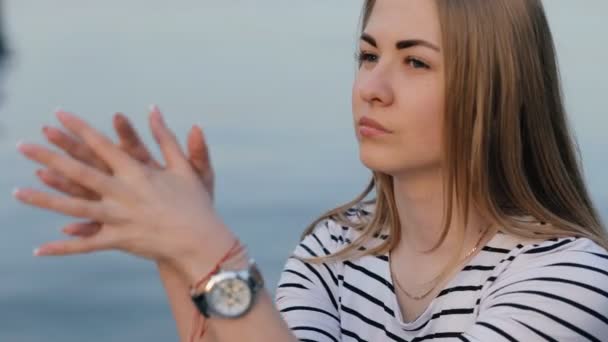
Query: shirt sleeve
307, 294
555, 291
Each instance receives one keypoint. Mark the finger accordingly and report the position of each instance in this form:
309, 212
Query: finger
130, 141
74, 148
198, 152
76, 207
172, 152
62, 184
83, 229
199, 158
74, 170
103, 147
80, 245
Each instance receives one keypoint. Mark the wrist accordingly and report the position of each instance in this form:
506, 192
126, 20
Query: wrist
204, 253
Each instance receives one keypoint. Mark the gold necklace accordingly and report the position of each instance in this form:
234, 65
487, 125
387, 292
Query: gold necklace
436, 277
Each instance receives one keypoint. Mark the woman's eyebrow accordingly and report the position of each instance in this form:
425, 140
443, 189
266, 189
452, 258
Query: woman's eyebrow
402, 44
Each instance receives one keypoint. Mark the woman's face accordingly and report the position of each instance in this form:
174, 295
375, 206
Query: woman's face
400, 85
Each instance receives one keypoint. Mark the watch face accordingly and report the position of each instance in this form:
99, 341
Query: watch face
230, 297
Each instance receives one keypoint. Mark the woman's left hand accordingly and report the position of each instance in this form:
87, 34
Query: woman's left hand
160, 214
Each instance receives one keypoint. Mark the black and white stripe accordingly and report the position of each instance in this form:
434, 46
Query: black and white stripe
512, 290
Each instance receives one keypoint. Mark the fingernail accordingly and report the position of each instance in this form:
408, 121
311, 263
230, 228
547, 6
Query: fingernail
159, 116
45, 129
23, 147
41, 251
58, 109
20, 194
51, 132
61, 115
154, 108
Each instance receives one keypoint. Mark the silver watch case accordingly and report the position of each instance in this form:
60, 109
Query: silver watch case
230, 294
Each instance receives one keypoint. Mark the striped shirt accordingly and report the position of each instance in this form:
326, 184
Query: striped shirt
551, 290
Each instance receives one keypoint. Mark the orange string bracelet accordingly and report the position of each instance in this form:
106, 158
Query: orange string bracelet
236, 249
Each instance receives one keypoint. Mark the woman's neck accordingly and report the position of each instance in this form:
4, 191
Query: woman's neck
419, 201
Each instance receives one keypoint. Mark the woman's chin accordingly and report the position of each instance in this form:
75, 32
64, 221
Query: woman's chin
379, 162
394, 163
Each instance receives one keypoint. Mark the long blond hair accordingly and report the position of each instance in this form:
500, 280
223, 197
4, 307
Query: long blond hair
515, 155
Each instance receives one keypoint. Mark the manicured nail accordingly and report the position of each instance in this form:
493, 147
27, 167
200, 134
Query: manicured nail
20, 194
159, 116
200, 131
46, 129
52, 133
23, 147
61, 115
41, 251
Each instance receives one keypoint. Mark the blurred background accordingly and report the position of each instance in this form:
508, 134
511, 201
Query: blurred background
269, 81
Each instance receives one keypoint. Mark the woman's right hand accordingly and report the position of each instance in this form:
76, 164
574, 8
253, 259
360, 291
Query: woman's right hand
198, 155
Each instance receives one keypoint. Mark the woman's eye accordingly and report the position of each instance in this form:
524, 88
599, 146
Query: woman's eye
365, 57
416, 63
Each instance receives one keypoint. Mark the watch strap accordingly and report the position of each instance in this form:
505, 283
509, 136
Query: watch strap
201, 304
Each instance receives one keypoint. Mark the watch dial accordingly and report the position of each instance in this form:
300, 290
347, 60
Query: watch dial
230, 297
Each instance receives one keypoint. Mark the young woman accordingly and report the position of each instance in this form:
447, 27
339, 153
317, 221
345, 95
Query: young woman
481, 228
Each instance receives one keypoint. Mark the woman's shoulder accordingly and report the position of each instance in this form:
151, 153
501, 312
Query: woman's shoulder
562, 249
557, 284
564, 261
551, 287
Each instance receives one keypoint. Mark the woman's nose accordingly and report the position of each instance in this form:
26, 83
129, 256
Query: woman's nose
376, 89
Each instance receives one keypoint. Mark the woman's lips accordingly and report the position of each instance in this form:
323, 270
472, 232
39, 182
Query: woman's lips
370, 132
371, 128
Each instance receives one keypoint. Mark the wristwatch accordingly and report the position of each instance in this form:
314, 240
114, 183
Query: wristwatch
229, 293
